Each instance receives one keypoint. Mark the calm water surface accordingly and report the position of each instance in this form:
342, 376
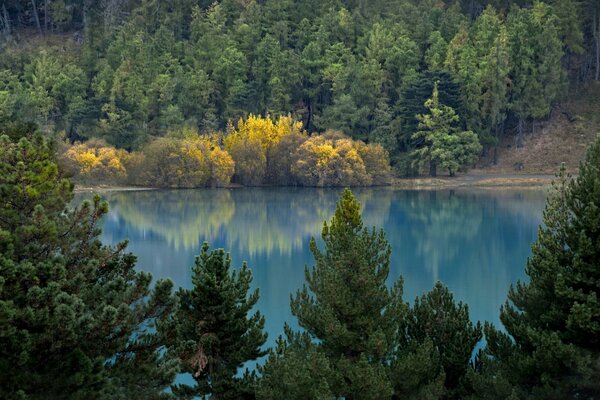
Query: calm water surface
475, 241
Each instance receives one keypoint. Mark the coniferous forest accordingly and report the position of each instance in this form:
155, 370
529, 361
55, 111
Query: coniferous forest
194, 93
210, 92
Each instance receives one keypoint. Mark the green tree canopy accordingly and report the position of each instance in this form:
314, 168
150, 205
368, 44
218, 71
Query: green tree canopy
440, 142
77, 319
347, 306
212, 332
551, 349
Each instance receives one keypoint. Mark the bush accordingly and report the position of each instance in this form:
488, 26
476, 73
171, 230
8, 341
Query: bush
97, 161
334, 160
184, 163
279, 171
255, 148
377, 162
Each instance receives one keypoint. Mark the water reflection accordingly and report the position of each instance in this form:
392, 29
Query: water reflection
475, 241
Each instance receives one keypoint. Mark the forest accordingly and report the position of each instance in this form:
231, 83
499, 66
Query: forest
433, 84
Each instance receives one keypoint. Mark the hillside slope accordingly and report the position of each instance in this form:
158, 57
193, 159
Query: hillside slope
564, 137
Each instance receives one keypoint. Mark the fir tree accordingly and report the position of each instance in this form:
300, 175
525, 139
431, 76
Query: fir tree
212, 331
296, 370
76, 319
554, 319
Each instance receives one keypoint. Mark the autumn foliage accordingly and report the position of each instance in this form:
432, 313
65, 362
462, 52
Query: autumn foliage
258, 151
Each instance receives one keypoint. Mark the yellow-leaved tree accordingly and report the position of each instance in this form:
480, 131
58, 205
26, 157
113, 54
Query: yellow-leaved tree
95, 161
332, 159
252, 146
185, 159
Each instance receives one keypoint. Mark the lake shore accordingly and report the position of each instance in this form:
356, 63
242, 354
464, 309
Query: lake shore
534, 181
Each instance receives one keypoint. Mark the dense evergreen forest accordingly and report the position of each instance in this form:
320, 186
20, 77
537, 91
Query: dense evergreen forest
131, 71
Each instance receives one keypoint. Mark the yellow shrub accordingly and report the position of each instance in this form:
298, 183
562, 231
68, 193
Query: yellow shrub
281, 159
251, 145
97, 161
321, 161
222, 167
377, 162
186, 161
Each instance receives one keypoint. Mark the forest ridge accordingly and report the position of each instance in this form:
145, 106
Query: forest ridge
130, 71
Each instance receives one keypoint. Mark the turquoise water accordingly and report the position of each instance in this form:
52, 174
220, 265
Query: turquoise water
475, 241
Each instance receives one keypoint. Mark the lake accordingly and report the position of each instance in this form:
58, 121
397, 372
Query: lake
476, 241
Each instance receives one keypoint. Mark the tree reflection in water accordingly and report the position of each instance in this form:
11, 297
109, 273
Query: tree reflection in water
475, 241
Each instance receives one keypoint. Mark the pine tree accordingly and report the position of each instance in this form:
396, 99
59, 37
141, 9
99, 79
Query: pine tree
536, 51
76, 319
441, 143
552, 350
347, 306
435, 317
296, 370
212, 333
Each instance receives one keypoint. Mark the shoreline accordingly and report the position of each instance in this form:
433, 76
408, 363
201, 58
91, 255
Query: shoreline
498, 181
525, 181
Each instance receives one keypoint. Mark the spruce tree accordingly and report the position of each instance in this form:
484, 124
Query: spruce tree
552, 349
536, 74
213, 333
76, 319
347, 306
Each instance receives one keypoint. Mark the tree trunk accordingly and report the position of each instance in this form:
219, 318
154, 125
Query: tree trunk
496, 135
597, 39
309, 118
520, 133
37, 17
432, 169
6, 21
46, 16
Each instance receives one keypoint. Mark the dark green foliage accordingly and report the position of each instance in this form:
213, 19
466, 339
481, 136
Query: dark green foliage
360, 341
554, 318
347, 305
440, 142
437, 319
76, 319
415, 96
211, 331
361, 67
296, 370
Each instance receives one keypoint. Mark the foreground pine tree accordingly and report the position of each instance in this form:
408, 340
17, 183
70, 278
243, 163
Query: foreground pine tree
347, 306
213, 333
553, 320
440, 330
76, 319
361, 341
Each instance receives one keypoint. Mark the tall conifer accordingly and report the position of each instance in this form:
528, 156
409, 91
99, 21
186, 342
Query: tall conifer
554, 318
347, 306
213, 333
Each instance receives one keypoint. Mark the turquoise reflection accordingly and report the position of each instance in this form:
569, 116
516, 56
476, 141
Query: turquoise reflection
475, 241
